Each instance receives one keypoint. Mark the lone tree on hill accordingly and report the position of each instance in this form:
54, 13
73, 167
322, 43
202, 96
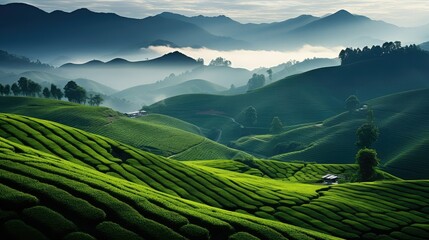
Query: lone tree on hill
367, 134
276, 125
250, 116
368, 161
352, 103
257, 81
75, 93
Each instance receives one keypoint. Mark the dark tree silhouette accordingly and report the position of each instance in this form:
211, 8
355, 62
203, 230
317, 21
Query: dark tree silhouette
250, 116
15, 89
75, 93
367, 160
350, 55
6, 90
257, 81
367, 134
56, 92
95, 100
270, 74
220, 62
46, 93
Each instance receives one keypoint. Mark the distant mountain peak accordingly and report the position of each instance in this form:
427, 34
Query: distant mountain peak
342, 12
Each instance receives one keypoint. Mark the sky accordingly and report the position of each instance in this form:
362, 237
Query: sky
399, 12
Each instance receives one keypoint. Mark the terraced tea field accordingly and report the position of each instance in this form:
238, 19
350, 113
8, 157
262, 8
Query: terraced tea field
44, 197
294, 172
159, 134
123, 190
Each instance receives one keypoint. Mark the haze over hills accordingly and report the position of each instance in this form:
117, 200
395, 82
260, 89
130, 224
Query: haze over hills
136, 73
154, 131
310, 96
107, 34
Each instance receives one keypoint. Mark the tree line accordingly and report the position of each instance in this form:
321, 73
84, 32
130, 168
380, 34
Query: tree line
351, 55
72, 91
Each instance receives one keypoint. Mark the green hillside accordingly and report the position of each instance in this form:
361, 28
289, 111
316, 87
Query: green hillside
79, 173
161, 135
308, 97
151, 93
285, 171
402, 146
44, 197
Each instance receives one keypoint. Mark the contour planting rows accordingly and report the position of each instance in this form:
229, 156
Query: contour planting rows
144, 168
44, 197
294, 172
148, 135
304, 205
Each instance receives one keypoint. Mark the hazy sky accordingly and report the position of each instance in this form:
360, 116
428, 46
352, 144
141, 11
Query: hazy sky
399, 12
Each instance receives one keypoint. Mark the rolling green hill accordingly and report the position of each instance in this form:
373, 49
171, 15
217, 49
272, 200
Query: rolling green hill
151, 93
45, 197
285, 171
76, 165
162, 135
402, 146
307, 97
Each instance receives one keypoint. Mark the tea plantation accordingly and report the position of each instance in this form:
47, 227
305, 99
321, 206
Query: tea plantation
159, 134
66, 183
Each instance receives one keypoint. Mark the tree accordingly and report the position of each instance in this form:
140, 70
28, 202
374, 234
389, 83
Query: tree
352, 103
270, 74
23, 85
15, 89
75, 93
250, 116
367, 134
367, 160
220, 62
34, 88
95, 100
257, 81
46, 93
6, 90
56, 92
276, 125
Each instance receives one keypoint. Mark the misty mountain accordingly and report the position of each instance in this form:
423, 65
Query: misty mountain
120, 73
340, 28
11, 62
173, 60
27, 29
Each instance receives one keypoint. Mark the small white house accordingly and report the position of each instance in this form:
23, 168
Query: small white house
330, 179
136, 114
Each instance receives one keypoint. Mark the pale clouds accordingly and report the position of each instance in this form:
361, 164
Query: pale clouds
253, 59
399, 12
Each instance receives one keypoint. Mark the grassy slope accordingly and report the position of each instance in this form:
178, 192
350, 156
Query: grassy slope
403, 144
285, 171
303, 205
148, 134
45, 197
307, 97
148, 94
